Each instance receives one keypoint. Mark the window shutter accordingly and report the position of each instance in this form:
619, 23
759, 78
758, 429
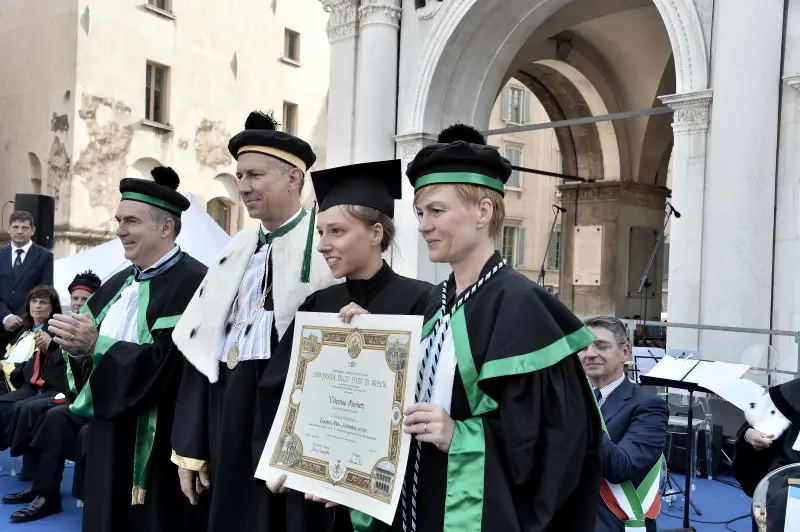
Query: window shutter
505, 100
526, 106
520, 259
555, 245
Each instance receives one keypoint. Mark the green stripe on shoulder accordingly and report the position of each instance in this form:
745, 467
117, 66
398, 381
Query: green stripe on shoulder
167, 322
538, 360
428, 327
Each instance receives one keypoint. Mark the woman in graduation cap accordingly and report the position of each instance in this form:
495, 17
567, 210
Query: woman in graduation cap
356, 207
508, 434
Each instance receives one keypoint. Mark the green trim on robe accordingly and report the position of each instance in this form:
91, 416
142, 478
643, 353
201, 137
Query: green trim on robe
366, 523
168, 322
541, 359
479, 402
465, 477
428, 327
102, 345
70, 376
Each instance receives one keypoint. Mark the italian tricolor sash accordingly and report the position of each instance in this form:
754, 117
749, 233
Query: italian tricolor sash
632, 505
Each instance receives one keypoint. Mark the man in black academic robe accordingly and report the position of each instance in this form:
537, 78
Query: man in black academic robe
758, 454
131, 485
234, 322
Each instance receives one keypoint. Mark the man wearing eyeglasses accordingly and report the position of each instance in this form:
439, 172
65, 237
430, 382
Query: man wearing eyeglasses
635, 432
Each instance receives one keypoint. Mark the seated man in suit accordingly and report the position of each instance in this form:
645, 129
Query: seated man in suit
636, 431
23, 265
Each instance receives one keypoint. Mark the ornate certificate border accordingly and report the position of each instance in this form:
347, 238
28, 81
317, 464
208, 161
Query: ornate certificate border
377, 483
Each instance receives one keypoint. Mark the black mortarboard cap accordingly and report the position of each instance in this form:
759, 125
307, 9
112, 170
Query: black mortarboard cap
460, 156
162, 192
261, 135
374, 185
87, 280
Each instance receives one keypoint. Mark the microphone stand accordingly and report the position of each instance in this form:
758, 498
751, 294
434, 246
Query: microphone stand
540, 280
646, 283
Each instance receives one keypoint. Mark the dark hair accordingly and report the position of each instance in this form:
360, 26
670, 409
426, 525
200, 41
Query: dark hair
159, 215
42, 291
614, 325
369, 217
21, 216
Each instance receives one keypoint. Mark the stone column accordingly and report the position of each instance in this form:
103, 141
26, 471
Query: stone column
739, 211
342, 34
410, 256
690, 128
376, 80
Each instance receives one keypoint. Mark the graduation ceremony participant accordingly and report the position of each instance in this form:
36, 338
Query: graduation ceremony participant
507, 432
758, 454
355, 223
51, 433
126, 329
234, 321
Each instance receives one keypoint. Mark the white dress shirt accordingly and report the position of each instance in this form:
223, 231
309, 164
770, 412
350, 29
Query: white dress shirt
608, 389
121, 321
24, 249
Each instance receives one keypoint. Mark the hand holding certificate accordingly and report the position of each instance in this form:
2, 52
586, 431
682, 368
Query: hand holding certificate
338, 433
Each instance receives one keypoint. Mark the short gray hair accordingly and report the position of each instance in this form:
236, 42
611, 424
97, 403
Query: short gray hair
159, 215
284, 168
615, 325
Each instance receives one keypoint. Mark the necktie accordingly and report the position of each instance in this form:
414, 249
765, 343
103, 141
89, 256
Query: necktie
597, 395
263, 239
18, 260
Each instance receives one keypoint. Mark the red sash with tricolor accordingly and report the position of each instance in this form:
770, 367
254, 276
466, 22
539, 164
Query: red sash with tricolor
630, 504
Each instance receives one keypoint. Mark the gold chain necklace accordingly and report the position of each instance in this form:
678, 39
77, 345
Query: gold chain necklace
232, 359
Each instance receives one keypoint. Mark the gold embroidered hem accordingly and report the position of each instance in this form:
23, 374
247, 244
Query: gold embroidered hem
192, 464
137, 496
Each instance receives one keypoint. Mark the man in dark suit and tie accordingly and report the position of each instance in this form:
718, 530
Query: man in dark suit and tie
636, 431
23, 265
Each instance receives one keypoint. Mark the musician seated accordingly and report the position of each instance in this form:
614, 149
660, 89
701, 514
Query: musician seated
635, 435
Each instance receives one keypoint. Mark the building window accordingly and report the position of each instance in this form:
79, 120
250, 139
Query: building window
554, 253
514, 155
516, 103
164, 5
290, 118
156, 84
512, 245
291, 45
220, 211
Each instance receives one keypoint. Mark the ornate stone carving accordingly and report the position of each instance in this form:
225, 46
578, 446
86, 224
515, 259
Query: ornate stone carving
430, 8
386, 12
409, 145
623, 192
793, 81
692, 111
342, 22
688, 43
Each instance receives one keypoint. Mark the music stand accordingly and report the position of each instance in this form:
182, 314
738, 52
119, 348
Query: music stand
690, 387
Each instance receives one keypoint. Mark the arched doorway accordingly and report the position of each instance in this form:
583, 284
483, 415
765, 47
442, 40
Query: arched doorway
580, 59
221, 210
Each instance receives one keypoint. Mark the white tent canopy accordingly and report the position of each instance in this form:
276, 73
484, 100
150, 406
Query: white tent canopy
201, 237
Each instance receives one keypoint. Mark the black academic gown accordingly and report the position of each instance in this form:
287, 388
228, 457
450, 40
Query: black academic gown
131, 381
385, 293
526, 452
214, 424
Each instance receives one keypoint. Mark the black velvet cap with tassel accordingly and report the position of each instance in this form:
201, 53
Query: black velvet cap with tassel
460, 156
375, 185
261, 135
162, 192
87, 280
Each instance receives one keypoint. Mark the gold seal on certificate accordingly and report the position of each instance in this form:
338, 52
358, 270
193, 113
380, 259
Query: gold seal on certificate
338, 433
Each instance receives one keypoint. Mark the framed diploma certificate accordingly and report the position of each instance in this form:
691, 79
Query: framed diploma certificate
338, 433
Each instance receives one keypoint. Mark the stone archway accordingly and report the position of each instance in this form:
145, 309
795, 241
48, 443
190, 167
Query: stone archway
477, 41
468, 54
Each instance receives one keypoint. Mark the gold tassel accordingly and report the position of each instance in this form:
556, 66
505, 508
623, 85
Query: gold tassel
137, 496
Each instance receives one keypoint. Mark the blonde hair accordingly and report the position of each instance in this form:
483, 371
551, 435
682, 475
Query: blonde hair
472, 195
